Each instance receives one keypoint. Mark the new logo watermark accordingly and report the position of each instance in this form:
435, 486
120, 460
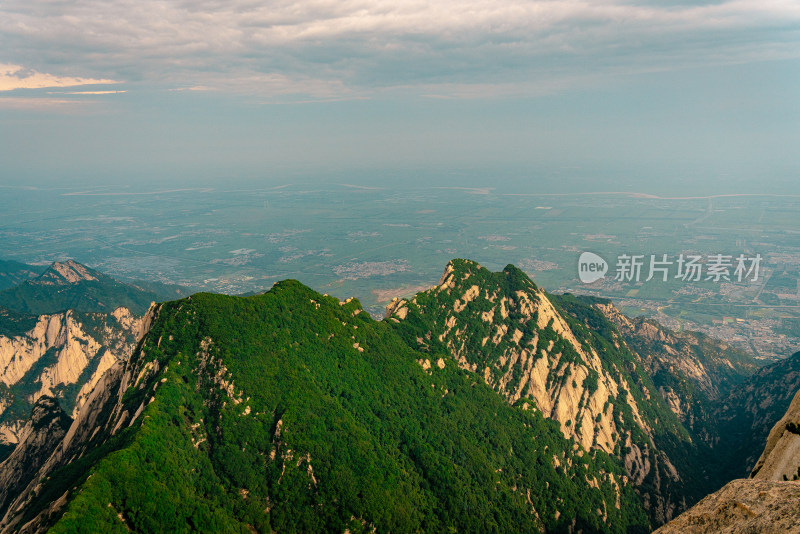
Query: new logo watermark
591, 267
685, 267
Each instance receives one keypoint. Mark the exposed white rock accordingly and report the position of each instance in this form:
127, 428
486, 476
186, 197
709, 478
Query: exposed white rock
73, 347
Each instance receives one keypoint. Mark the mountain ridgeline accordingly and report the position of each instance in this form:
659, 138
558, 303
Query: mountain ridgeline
14, 272
481, 404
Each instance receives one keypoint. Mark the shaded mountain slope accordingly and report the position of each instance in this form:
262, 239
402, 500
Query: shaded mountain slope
13, 273
691, 370
769, 501
748, 413
44, 430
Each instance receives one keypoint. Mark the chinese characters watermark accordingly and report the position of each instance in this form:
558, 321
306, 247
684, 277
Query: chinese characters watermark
684, 267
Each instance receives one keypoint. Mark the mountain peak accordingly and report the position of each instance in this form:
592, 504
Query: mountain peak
66, 273
459, 267
466, 273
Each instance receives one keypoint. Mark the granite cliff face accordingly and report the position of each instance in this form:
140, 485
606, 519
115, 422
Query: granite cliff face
692, 372
712, 367
781, 457
63, 356
560, 356
743, 507
748, 413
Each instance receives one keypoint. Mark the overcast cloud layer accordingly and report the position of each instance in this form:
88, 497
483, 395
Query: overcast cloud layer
334, 48
653, 92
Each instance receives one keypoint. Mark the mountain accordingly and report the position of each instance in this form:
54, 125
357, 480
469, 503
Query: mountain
742, 507
560, 356
60, 355
684, 365
293, 411
483, 403
14, 272
72, 286
767, 502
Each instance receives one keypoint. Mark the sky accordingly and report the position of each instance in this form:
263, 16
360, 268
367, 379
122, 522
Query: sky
643, 95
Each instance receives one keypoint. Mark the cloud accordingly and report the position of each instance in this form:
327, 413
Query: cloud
351, 48
17, 77
87, 92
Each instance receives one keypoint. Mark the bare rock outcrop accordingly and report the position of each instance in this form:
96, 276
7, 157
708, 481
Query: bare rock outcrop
781, 457
768, 502
743, 506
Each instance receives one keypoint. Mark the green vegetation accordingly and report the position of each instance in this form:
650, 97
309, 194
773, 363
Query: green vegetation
263, 415
13, 272
5, 451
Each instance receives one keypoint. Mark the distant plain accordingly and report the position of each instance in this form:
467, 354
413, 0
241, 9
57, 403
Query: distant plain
376, 243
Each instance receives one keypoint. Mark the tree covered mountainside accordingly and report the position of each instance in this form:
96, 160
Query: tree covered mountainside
294, 412
72, 286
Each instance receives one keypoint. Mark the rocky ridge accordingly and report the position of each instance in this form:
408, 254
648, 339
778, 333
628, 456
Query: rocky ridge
781, 457
692, 372
41, 434
198, 377
70, 285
